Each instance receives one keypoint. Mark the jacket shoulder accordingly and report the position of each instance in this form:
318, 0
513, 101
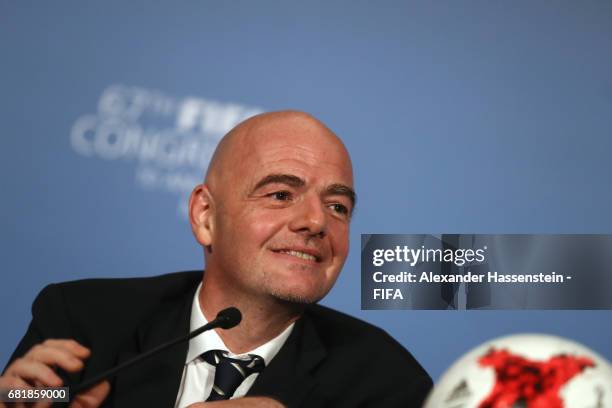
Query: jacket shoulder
378, 362
102, 310
339, 329
135, 289
92, 305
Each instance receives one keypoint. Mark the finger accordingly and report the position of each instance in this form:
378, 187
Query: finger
93, 397
69, 345
43, 404
8, 381
55, 356
32, 371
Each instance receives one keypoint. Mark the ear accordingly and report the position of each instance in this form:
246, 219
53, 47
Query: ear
201, 211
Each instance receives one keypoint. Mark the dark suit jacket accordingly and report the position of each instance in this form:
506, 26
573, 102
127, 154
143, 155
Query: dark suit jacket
330, 359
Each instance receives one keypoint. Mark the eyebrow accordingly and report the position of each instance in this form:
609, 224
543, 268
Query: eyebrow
341, 189
288, 179
295, 181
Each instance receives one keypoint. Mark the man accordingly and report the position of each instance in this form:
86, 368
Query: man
273, 218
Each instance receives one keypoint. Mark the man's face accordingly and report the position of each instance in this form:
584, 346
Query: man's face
282, 212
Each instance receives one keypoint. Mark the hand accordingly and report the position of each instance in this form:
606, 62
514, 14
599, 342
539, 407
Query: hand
35, 369
246, 402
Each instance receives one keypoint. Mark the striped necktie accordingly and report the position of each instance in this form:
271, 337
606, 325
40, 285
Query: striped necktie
230, 372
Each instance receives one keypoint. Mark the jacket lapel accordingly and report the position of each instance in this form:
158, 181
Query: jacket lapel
288, 377
155, 381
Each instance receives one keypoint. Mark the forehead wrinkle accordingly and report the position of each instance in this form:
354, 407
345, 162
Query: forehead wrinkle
274, 137
312, 155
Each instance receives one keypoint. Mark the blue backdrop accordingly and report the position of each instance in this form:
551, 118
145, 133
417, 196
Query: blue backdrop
461, 117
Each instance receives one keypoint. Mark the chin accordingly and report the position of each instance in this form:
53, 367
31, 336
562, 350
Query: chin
297, 284
297, 299
302, 297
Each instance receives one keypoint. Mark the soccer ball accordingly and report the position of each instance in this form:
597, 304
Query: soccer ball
526, 371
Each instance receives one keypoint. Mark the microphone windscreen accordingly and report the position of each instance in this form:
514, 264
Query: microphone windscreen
229, 317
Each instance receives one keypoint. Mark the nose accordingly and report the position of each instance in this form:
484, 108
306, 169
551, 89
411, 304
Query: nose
310, 217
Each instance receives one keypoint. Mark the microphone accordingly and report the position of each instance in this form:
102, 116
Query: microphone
226, 319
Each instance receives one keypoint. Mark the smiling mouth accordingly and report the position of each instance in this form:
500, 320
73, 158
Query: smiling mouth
299, 254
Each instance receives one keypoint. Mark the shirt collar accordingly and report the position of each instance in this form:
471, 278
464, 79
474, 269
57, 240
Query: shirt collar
210, 340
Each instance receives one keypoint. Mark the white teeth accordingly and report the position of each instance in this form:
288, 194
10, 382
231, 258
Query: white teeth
299, 254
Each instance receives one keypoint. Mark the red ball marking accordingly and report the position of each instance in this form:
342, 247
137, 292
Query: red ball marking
535, 383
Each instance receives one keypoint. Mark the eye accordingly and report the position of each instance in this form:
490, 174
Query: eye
339, 208
280, 195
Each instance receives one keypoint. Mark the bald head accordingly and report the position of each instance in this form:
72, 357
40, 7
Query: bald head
288, 127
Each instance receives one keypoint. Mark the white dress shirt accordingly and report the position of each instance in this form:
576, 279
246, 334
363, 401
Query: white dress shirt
198, 375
